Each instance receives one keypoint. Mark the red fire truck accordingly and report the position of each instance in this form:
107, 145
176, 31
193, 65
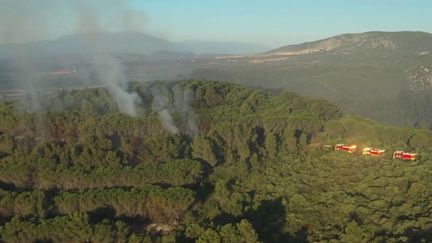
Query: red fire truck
404, 156
373, 151
348, 148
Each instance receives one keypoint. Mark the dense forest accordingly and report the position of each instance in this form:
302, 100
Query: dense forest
241, 165
386, 76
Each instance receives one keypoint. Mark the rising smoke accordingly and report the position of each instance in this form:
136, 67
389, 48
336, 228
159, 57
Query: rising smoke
24, 21
18, 24
183, 99
111, 73
109, 69
160, 105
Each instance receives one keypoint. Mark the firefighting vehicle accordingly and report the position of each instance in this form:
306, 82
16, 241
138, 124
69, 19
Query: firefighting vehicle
348, 148
404, 156
373, 151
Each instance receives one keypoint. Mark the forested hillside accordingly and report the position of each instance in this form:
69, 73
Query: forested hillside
251, 167
386, 76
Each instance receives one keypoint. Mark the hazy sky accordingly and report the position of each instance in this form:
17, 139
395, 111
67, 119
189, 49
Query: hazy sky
270, 22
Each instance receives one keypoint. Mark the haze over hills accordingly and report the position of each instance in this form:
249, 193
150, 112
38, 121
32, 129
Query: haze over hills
124, 43
109, 133
383, 75
408, 42
386, 76
227, 47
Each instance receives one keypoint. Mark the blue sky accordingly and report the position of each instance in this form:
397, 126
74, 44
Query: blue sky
269, 22
276, 22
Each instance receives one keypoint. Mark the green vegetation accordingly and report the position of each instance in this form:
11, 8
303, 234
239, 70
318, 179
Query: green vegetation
79, 171
385, 76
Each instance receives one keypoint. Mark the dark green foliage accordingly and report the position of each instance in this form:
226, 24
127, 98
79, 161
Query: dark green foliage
357, 71
240, 232
71, 228
79, 171
23, 204
43, 174
154, 203
206, 149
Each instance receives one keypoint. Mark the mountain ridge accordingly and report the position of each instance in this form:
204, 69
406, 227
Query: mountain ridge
381, 75
374, 39
123, 43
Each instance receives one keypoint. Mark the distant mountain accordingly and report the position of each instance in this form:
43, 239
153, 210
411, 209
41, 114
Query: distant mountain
239, 48
123, 43
386, 76
413, 42
383, 75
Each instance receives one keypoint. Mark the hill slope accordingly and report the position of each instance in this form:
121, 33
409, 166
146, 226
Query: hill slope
377, 74
255, 171
123, 43
386, 76
127, 42
404, 42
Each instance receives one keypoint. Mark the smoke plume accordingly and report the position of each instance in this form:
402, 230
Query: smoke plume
183, 99
109, 69
112, 74
18, 24
160, 105
23, 21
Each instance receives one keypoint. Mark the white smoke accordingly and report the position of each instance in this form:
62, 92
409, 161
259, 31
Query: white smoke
111, 73
17, 24
24, 21
183, 99
160, 105
167, 121
25, 78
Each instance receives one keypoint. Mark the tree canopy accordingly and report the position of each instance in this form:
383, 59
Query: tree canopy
254, 169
